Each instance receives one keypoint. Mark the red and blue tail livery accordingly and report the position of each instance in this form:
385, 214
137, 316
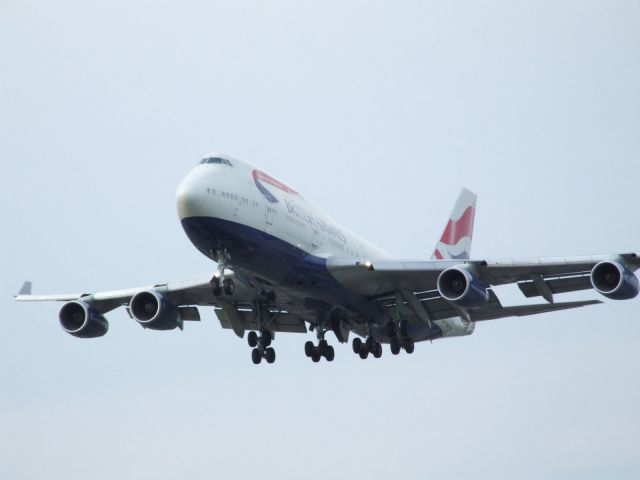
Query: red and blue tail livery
456, 238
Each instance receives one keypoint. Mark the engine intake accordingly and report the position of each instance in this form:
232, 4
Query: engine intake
614, 280
81, 320
462, 288
152, 310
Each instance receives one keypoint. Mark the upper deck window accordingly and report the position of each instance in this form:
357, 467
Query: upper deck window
218, 160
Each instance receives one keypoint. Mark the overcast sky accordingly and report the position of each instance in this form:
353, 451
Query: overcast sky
379, 112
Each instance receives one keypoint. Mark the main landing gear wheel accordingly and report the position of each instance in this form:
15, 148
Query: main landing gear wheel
309, 348
395, 346
363, 349
409, 345
256, 356
260, 345
323, 349
400, 337
270, 355
357, 345
330, 354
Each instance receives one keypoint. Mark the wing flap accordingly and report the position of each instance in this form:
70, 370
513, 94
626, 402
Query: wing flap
556, 285
524, 310
282, 322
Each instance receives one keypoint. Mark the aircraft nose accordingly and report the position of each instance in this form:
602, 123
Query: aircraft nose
190, 199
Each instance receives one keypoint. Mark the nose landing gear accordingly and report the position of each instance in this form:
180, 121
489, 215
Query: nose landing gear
220, 282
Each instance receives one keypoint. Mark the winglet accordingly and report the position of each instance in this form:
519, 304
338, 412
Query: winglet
457, 235
26, 289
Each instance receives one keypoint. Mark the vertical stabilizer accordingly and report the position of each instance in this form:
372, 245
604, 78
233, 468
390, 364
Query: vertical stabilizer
457, 235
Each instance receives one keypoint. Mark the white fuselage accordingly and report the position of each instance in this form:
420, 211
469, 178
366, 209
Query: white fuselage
244, 202
242, 194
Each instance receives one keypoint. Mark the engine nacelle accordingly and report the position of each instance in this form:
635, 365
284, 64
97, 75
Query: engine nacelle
614, 280
459, 286
80, 319
152, 310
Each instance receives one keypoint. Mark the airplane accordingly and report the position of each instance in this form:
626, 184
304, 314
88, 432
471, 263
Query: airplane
285, 266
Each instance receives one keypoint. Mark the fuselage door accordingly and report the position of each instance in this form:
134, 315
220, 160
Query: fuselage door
268, 214
315, 239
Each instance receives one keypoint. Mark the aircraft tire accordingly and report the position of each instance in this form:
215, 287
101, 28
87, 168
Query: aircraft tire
252, 339
228, 286
409, 345
357, 345
364, 354
377, 350
256, 357
270, 355
308, 348
316, 356
330, 354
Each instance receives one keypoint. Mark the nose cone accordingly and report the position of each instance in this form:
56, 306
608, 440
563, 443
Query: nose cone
190, 196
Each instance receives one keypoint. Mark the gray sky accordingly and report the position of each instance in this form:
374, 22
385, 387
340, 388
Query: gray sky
379, 112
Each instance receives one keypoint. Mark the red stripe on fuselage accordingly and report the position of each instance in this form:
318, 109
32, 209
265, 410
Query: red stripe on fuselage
263, 177
457, 229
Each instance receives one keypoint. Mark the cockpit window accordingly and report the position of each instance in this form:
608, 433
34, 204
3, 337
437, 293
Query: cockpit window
218, 160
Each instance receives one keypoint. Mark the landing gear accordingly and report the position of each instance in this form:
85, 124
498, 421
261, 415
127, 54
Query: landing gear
323, 349
220, 282
216, 289
363, 349
260, 345
228, 286
400, 337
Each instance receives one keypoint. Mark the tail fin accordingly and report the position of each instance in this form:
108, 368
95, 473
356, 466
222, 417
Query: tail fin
457, 236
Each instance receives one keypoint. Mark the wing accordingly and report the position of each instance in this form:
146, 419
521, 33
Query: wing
383, 280
372, 278
194, 291
237, 312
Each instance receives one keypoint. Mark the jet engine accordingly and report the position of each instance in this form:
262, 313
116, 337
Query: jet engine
152, 310
614, 281
81, 320
459, 286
